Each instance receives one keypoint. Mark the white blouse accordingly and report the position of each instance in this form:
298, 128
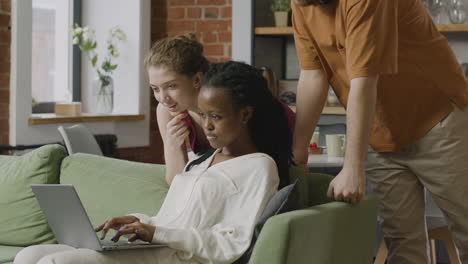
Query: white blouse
209, 213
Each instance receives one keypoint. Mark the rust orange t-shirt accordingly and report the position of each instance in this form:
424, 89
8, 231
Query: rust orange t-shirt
420, 77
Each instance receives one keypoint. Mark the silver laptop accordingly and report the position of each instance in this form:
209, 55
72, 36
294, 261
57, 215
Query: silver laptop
68, 219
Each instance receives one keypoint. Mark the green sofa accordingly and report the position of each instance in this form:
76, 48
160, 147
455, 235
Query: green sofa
326, 232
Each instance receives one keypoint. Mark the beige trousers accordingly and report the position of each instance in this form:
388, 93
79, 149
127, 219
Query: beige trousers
437, 161
62, 254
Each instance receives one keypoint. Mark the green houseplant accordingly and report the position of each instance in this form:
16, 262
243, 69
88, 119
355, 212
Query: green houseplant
103, 85
281, 10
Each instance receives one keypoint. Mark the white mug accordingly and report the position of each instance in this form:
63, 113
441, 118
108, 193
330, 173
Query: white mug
335, 145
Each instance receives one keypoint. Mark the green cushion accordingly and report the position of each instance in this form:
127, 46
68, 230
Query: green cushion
7, 254
22, 221
312, 187
110, 187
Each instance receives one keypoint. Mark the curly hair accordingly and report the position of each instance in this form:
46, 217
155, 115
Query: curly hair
182, 54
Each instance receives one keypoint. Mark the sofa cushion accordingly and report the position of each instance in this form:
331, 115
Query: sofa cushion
7, 254
110, 187
22, 221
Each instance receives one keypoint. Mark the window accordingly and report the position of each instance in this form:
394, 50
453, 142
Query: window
52, 63
131, 95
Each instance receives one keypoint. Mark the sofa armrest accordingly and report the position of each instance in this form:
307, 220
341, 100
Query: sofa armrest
334, 232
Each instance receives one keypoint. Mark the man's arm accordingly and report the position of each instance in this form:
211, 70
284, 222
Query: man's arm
349, 184
312, 92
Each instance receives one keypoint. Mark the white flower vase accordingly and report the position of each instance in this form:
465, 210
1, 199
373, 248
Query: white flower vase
103, 93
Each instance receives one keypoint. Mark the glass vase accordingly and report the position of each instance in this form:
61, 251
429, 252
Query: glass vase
103, 92
436, 8
458, 11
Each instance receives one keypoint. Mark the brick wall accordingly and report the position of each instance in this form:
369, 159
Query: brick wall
5, 40
210, 20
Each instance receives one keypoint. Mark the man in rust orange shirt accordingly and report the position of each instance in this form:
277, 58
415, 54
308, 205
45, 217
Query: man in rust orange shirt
405, 95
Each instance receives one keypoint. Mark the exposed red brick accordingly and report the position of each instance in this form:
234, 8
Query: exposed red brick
4, 110
159, 12
179, 26
211, 2
4, 139
213, 26
5, 37
5, 5
4, 20
226, 12
3, 125
225, 37
176, 13
194, 12
4, 81
212, 59
180, 2
224, 59
4, 52
211, 12
4, 96
209, 37
214, 50
4, 66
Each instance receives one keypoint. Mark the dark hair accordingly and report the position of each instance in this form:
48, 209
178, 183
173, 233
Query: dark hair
269, 124
182, 54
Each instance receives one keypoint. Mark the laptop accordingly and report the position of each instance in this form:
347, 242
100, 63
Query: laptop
68, 219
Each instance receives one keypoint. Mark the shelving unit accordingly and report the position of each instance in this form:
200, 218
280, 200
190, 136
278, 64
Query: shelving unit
444, 28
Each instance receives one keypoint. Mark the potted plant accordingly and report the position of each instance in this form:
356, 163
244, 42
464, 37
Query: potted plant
102, 86
281, 10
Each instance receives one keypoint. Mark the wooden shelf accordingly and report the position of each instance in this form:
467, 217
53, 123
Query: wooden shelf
40, 119
289, 30
328, 110
453, 27
274, 31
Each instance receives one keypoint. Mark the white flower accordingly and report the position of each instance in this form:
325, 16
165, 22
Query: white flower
85, 36
78, 30
76, 40
116, 32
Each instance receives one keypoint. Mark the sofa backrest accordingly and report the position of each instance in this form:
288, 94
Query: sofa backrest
110, 187
312, 187
22, 220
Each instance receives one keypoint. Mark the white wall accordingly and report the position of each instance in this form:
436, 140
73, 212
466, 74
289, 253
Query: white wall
131, 88
242, 34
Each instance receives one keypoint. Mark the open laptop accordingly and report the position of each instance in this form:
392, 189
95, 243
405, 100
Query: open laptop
68, 219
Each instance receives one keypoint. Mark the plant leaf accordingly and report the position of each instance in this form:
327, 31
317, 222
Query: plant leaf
94, 60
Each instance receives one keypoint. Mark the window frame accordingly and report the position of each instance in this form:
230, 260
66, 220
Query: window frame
133, 102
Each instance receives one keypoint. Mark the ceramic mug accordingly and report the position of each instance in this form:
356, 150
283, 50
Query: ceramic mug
335, 145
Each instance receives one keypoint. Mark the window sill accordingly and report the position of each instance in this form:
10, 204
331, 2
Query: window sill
41, 119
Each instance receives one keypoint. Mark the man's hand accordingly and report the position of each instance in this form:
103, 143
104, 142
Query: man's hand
348, 186
301, 156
